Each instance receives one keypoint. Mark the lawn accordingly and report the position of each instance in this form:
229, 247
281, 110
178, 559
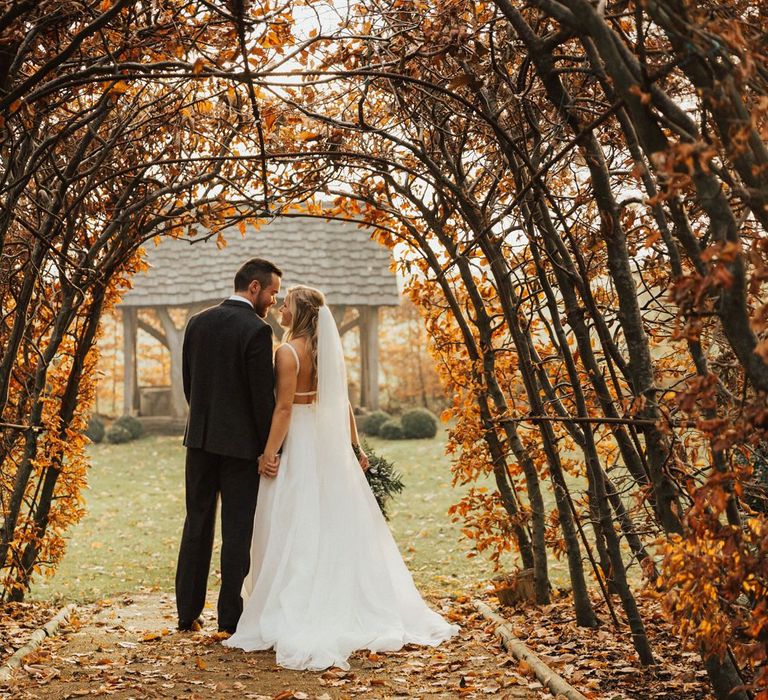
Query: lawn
129, 538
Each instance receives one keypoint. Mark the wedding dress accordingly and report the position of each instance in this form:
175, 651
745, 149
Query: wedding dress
326, 576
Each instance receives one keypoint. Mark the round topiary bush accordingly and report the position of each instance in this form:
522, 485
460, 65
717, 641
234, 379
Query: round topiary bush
391, 430
95, 430
118, 434
419, 423
373, 421
132, 425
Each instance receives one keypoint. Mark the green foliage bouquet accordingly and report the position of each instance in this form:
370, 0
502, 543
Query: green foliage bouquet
383, 479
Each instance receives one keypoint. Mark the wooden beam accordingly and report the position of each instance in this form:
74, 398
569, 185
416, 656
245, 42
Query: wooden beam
197, 307
273, 321
156, 334
349, 325
369, 356
362, 334
338, 311
175, 342
130, 378
373, 358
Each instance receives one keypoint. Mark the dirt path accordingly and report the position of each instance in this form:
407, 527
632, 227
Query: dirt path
128, 648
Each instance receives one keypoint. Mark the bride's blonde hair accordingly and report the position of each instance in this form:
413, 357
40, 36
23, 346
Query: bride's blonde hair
304, 304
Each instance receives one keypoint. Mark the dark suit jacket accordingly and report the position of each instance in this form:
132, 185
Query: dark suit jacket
229, 380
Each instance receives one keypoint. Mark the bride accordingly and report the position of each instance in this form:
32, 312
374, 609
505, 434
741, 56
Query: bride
326, 576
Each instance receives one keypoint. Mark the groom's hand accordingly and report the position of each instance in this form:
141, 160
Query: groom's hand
269, 465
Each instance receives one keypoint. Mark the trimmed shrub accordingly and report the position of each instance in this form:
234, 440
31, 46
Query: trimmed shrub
95, 430
132, 425
391, 430
373, 421
384, 481
118, 434
419, 423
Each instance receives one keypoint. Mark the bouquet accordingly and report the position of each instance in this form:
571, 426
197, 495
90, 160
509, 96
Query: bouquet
383, 479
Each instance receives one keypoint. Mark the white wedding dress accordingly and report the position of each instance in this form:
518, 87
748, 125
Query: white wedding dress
326, 576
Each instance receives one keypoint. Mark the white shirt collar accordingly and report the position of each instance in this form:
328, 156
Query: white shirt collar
237, 297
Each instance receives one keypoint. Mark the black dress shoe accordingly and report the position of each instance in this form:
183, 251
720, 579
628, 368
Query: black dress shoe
228, 630
194, 626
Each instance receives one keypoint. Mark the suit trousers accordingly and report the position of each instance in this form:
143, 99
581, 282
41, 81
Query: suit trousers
237, 481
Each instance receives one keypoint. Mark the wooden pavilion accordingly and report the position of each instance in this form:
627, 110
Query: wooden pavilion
337, 258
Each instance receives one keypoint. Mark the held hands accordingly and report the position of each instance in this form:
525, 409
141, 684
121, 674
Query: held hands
269, 465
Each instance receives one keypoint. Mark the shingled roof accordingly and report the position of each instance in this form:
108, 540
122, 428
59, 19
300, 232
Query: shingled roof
336, 257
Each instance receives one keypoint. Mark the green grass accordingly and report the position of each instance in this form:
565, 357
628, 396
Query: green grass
129, 538
429, 541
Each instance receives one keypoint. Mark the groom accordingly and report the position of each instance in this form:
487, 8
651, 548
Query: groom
229, 382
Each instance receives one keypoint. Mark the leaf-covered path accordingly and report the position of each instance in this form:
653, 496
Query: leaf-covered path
127, 648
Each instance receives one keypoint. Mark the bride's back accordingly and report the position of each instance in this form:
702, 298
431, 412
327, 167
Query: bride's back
306, 382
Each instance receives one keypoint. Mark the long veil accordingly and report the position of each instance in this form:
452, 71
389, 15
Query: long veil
332, 398
329, 578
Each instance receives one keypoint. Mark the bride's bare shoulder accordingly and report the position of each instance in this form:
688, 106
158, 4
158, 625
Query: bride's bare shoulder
285, 354
299, 343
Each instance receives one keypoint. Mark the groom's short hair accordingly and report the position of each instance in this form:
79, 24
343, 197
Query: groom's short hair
256, 269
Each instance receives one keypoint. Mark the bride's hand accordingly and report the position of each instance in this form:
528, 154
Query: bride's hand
363, 459
268, 465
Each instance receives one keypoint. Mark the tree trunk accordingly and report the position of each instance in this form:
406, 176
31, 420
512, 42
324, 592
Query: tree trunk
42, 508
533, 486
175, 341
630, 318
25, 466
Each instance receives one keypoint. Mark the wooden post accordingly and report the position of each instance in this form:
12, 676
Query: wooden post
369, 356
130, 378
338, 311
373, 358
277, 329
175, 342
362, 333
